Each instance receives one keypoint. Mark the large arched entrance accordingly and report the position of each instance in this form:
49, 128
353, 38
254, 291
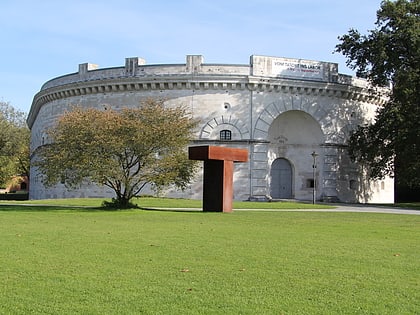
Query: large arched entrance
293, 136
281, 179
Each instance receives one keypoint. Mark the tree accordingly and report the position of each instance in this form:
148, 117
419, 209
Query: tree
390, 55
14, 143
124, 150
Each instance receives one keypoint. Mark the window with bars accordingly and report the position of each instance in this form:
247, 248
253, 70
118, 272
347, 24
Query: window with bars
225, 135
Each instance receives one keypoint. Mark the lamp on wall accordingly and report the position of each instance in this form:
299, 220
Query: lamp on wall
314, 155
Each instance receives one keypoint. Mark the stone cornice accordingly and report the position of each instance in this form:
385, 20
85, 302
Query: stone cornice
201, 82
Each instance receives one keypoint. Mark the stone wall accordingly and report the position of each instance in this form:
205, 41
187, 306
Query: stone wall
277, 108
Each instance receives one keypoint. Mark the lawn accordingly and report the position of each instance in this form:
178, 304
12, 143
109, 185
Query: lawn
153, 203
59, 260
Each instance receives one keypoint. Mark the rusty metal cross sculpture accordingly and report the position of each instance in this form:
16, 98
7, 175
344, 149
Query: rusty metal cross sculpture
218, 174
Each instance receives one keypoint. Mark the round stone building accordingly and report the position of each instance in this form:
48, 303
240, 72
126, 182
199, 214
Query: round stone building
293, 116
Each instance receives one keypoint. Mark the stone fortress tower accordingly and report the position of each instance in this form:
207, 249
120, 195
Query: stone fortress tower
280, 109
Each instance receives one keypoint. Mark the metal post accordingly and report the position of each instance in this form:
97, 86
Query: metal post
314, 155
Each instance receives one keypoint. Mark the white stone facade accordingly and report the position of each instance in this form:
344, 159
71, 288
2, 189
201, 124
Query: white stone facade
279, 109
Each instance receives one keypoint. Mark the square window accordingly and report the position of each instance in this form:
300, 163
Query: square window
310, 183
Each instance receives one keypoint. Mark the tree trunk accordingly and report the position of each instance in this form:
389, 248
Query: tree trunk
123, 202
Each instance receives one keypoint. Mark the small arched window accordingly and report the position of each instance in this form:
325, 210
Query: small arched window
225, 135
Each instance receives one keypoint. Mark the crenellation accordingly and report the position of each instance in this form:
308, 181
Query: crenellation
84, 68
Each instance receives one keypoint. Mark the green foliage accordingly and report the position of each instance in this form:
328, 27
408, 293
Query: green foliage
116, 204
390, 54
14, 143
154, 262
124, 150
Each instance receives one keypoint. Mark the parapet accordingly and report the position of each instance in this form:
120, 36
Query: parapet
85, 67
263, 73
292, 68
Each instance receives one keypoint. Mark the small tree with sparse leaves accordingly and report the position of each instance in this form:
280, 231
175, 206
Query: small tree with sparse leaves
124, 150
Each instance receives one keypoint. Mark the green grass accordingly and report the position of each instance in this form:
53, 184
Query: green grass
77, 202
82, 261
152, 202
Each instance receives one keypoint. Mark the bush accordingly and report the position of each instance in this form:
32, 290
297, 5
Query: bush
118, 204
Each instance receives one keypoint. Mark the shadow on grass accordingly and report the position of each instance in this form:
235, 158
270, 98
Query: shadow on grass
43, 208
193, 210
408, 205
51, 208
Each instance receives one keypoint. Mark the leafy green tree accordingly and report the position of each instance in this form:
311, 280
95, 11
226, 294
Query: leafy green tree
14, 143
124, 150
389, 55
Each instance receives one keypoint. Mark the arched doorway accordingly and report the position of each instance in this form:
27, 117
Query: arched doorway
293, 136
281, 179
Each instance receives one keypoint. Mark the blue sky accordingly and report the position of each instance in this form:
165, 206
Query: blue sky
48, 38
